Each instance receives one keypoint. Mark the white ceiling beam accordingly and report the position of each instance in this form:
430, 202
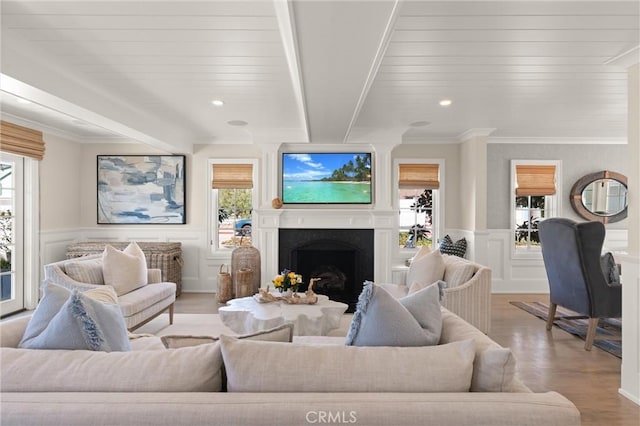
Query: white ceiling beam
287, 27
15, 87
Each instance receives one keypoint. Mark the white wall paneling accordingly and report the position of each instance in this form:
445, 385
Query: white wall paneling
198, 273
630, 369
528, 275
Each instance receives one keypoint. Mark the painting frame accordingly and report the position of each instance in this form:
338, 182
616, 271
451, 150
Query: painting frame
138, 189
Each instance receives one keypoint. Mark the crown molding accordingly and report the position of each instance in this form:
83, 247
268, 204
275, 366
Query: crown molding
475, 133
625, 59
559, 141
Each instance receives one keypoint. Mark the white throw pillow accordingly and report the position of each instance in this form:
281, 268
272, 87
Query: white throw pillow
124, 270
288, 367
192, 369
426, 269
424, 250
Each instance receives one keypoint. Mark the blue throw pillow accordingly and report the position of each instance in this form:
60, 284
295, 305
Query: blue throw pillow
459, 248
71, 320
382, 320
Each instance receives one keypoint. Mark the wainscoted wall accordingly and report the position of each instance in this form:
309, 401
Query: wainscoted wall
527, 275
199, 273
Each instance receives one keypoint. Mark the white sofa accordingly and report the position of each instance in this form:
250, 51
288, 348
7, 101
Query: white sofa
138, 306
43, 399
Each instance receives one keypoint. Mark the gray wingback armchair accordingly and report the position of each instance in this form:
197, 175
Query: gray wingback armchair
571, 253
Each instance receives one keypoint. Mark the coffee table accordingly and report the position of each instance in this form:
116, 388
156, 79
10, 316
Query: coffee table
246, 315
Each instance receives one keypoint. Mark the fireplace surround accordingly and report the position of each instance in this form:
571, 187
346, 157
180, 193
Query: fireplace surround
343, 258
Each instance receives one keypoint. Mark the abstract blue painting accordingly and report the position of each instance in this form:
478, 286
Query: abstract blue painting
141, 189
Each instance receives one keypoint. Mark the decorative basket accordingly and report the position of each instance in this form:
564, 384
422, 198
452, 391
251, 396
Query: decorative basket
225, 286
245, 271
164, 256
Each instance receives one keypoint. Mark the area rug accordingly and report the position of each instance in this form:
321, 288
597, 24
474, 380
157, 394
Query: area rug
186, 324
578, 327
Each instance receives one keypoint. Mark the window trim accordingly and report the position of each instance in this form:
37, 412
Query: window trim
553, 205
212, 202
438, 200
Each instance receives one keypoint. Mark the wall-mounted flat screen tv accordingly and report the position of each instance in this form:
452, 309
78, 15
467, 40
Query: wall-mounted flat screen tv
326, 178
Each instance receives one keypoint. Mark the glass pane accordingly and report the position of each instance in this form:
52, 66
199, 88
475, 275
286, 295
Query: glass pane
7, 229
537, 202
522, 201
234, 217
416, 217
534, 238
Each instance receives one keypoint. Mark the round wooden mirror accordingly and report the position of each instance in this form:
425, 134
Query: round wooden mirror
601, 196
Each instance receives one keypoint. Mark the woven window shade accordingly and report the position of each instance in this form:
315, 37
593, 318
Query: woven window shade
535, 180
20, 140
419, 176
232, 176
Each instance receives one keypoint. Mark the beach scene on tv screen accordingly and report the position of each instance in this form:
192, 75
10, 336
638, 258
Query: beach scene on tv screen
341, 178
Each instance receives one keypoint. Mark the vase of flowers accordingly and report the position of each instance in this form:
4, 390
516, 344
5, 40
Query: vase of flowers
287, 282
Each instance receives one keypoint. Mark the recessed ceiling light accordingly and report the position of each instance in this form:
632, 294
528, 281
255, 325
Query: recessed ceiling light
23, 101
217, 102
446, 102
419, 124
237, 123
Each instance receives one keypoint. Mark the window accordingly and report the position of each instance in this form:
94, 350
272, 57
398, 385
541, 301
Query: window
418, 188
534, 198
21, 149
232, 196
10, 229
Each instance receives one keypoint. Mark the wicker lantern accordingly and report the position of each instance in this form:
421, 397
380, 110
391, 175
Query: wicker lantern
245, 270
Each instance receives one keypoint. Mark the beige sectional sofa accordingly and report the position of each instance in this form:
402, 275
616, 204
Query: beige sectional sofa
369, 385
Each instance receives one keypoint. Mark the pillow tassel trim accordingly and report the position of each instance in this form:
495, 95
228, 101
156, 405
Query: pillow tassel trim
361, 307
90, 331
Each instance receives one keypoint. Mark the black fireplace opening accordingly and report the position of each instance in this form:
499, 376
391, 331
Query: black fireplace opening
342, 258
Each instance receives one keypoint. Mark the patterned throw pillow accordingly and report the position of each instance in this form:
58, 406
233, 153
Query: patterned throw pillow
459, 248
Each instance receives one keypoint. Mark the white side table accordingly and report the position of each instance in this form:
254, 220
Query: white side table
246, 315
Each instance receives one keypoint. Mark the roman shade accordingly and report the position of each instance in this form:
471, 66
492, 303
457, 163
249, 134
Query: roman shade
418, 176
232, 176
535, 180
20, 140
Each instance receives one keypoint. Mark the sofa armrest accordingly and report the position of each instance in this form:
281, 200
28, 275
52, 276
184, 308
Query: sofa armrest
58, 276
472, 300
154, 276
11, 331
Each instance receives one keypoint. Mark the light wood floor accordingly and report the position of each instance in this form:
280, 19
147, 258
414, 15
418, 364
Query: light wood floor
553, 360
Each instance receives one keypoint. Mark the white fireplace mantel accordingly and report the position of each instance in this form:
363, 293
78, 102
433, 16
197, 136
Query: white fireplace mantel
271, 220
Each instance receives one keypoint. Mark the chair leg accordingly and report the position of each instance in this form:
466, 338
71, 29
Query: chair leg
591, 333
552, 315
171, 314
